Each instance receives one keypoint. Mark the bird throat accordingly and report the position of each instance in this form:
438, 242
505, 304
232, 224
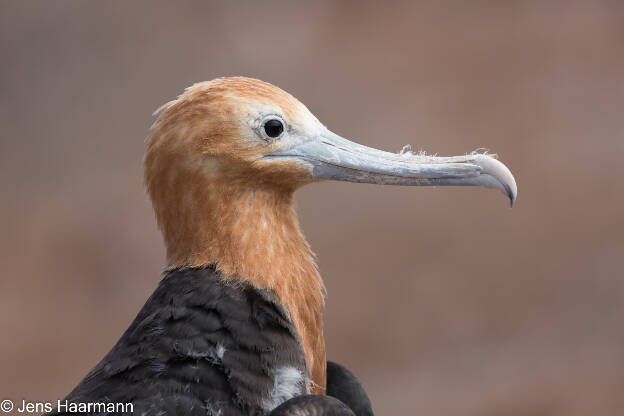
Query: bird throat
251, 234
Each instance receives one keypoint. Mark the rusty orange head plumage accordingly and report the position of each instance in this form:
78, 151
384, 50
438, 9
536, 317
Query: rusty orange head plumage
222, 182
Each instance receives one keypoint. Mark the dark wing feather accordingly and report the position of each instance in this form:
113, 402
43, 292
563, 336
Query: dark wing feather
312, 405
344, 386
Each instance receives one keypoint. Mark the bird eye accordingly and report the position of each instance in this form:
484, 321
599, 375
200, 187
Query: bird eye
273, 128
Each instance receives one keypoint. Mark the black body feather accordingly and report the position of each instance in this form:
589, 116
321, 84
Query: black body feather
344, 386
203, 345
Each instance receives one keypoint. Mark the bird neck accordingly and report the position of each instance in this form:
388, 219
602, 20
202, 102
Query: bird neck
253, 234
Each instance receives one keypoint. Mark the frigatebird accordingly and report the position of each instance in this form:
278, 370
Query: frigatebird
235, 326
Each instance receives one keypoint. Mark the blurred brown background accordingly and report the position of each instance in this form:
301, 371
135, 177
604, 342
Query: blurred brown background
443, 301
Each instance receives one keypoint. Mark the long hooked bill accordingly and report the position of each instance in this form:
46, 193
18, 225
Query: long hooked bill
334, 157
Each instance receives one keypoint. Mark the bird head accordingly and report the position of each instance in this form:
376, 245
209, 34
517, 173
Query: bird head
245, 131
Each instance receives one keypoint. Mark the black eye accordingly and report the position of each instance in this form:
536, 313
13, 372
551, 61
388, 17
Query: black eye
273, 128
